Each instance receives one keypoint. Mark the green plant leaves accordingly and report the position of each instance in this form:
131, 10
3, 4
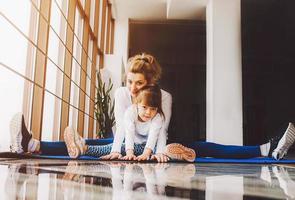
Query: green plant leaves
104, 107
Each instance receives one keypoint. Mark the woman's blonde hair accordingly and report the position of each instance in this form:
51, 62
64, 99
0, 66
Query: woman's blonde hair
147, 65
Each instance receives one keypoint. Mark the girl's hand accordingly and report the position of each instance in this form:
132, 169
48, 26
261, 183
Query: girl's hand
112, 156
143, 157
160, 157
129, 155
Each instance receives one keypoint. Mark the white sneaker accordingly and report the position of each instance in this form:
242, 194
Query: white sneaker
20, 138
177, 151
15, 134
74, 142
285, 143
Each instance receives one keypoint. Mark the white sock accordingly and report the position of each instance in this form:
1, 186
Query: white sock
33, 144
264, 149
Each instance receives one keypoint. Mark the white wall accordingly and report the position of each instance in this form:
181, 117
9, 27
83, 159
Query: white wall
113, 63
112, 69
121, 39
224, 72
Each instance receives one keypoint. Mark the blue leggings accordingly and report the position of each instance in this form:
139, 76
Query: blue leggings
209, 149
203, 149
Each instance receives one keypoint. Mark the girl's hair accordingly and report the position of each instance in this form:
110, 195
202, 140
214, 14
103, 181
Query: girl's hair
147, 65
151, 96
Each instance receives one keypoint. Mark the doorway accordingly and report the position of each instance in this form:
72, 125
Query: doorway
180, 48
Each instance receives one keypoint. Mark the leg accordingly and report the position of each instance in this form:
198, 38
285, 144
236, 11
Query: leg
60, 148
209, 149
284, 143
76, 146
277, 147
53, 148
101, 150
20, 138
22, 141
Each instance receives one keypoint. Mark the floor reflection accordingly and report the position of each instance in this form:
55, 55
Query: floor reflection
39, 179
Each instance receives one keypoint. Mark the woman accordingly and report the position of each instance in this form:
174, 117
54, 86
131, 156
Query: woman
144, 70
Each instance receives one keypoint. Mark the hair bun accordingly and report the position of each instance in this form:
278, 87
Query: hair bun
147, 58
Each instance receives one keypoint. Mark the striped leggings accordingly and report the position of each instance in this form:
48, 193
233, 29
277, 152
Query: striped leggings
101, 150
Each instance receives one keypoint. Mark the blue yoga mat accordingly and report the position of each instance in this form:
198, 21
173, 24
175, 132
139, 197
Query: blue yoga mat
261, 160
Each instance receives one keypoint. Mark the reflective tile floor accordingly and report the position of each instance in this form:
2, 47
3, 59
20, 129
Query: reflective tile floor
57, 179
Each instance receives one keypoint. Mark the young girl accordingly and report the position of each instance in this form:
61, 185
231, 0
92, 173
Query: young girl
143, 122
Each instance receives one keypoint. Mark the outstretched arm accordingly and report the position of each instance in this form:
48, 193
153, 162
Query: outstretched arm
167, 109
129, 124
121, 104
153, 136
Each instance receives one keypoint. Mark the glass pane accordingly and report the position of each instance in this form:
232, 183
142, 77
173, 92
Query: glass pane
19, 13
94, 128
76, 70
54, 79
79, 26
92, 12
58, 22
87, 103
90, 48
100, 24
56, 49
74, 99
15, 57
51, 117
77, 50
36, 3
88, 84
83, 3
73, 117
105, 29
86, 121
12, 86
63, 5
89, 65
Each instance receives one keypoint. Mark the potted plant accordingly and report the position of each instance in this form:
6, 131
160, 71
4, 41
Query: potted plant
104, 108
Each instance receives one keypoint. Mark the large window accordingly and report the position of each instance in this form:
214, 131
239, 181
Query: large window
18, 22
54, 71
48, 53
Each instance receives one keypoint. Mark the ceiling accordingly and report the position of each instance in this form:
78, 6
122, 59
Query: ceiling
160, 9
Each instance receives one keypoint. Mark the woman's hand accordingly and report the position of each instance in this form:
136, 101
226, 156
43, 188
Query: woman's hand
160, 157
112, 156
129, 155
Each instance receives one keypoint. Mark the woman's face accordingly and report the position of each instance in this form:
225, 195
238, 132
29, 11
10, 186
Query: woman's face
135, 81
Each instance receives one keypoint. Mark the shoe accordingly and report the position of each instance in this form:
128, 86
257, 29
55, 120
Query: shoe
179, 152
284, 143
273, 144
19, 135
74, 142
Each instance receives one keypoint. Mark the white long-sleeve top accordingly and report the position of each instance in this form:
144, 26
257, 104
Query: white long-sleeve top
141, 132
122, 102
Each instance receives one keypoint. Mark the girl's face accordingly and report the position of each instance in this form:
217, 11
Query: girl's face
145, 112
135, 81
